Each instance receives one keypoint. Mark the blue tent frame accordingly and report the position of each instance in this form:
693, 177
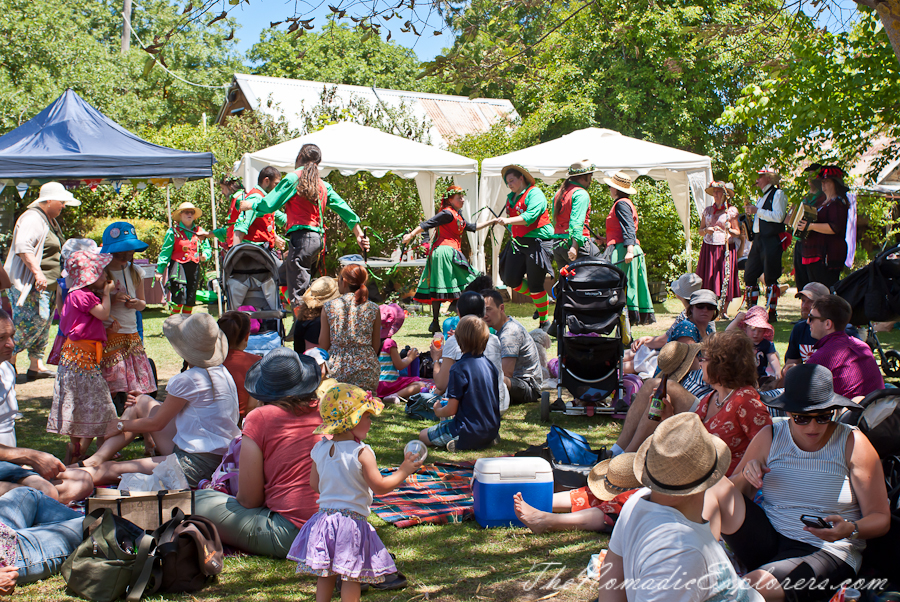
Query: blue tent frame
70, 140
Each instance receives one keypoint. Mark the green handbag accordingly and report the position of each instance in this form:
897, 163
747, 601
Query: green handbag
116, 558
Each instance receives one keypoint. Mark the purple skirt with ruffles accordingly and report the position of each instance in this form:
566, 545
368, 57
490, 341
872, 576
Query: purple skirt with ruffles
341, 542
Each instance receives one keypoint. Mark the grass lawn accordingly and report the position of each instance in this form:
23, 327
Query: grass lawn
449, 562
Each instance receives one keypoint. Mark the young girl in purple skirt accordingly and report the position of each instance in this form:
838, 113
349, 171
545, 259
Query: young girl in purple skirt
338, 540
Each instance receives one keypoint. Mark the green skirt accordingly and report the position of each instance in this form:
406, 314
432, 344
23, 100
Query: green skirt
640, 305
446, 275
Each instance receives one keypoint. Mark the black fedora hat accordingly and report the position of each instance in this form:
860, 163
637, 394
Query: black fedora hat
809, 388
282, 373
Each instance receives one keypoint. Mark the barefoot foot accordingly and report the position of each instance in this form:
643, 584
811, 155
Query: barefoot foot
536, 520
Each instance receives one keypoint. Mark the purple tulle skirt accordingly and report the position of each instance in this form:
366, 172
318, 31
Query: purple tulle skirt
341, 542
711, 269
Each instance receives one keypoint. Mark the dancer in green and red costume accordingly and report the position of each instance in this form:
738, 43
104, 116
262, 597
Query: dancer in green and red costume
184, 247
305, 196
531, 247
447, 272
247, 226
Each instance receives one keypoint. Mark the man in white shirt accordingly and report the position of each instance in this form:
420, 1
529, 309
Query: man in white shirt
661, 548
768, 226
9, 406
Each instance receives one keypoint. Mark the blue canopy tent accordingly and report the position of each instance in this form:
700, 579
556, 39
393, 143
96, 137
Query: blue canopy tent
72, 142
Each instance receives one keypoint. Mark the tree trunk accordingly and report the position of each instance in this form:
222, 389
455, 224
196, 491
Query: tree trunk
889, 12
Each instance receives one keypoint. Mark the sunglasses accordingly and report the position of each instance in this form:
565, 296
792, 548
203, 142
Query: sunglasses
812, 318
804, 419
706, 306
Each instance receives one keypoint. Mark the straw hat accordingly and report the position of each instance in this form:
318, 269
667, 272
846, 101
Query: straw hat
774, 176
613, 476
728, 187
620, 181
197, 339
343, 406
579, 168
528, 177
809, 388
176, 215
758, 317
392, 318
54, 191
681, 457
675, 359
84, 268
282, 373
687, 285
322, 289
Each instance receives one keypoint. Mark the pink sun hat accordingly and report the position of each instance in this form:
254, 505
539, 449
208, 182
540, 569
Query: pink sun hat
392, 318
758, 317
84, 268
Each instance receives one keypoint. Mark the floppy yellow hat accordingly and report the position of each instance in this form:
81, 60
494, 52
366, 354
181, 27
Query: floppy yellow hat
343, 406
176, 215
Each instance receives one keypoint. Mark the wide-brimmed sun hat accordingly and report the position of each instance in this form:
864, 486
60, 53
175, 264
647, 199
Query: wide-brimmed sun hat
681, 457
528, 177
282, 373
321, 290
579, 168
613, 476
176, 215
675, 359
343, 406
703, 295
54, 191
686, 285
813, 291
720, 185
620, 181
197, 339
392, 318
121, 237
758, 317
84, 268
809, 388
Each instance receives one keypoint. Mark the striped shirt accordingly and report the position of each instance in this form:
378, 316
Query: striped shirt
816, 483
851, 362
388, 372
694, 384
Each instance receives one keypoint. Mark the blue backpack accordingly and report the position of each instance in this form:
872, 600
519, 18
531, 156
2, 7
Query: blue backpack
570, 448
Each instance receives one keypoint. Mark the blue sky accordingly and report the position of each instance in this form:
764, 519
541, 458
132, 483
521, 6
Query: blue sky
256, 16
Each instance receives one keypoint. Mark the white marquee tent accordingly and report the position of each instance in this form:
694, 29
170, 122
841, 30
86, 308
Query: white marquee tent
685, 172
350, 148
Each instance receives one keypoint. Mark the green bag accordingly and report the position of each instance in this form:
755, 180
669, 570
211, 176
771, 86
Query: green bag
116, 558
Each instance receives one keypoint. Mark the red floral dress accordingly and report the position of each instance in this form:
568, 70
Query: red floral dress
737, 422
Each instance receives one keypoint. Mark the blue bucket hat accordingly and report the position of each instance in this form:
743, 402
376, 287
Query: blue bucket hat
121, 236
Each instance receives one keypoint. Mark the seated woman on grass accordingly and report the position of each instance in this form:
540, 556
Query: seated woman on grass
274, 498
196, 422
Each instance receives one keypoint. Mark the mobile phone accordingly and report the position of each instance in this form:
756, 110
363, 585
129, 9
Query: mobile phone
815, 522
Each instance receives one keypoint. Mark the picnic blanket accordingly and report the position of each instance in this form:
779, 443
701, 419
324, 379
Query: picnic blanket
438, 494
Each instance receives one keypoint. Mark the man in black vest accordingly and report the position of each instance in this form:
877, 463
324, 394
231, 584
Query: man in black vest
768, 225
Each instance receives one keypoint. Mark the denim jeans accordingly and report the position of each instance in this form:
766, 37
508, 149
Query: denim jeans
47, 531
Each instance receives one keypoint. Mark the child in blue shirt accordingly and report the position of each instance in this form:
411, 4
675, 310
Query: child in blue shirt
474, 399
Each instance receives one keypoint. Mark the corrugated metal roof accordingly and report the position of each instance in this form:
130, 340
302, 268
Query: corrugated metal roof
450, 116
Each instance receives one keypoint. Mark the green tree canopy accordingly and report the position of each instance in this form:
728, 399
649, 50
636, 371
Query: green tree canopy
337, 54
46, 48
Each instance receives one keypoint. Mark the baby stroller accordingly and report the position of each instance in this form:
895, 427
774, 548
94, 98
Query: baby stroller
874, 294
250, 278
591, 323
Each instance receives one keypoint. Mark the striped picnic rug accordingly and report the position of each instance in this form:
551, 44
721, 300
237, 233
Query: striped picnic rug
438, 494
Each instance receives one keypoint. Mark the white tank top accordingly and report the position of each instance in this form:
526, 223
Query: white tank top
816, 483
126, 317
341, 484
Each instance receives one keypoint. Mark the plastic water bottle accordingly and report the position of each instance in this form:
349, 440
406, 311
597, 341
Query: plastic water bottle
417, 448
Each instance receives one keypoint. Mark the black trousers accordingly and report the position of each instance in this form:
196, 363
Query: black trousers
302, 260
764, 260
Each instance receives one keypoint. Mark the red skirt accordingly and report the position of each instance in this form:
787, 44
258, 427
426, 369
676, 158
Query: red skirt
711, 270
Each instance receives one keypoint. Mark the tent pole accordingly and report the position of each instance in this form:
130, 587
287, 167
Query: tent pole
168, 206
687, 238
212, 201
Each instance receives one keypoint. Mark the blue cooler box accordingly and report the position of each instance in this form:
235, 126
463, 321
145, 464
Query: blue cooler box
498, 479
